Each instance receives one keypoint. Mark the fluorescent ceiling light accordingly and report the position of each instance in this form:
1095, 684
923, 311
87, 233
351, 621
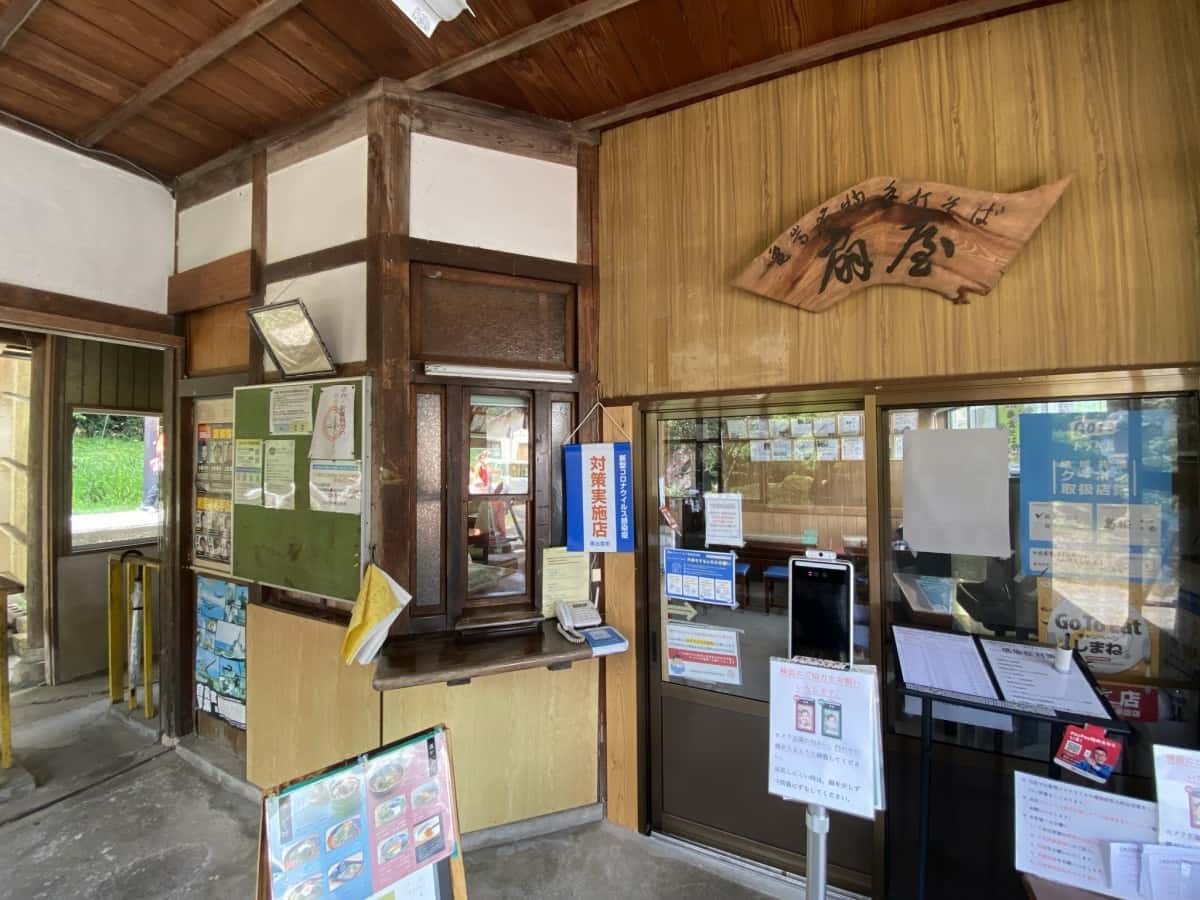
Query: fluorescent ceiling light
428, 14
500, 374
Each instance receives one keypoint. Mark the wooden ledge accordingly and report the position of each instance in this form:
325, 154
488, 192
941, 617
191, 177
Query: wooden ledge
431, 659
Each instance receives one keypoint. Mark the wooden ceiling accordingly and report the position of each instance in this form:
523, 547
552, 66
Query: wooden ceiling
171, 84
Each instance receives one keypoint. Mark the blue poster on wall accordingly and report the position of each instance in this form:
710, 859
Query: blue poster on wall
701, 576
1096, 494
221, 648
598, 489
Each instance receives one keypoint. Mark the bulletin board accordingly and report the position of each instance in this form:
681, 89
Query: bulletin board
300, 548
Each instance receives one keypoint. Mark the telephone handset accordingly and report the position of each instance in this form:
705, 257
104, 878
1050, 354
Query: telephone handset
573, 616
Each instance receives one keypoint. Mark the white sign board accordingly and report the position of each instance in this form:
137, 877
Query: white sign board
703, 653
1026, 674
825, 736
1063, 832
723, 520
1177, 786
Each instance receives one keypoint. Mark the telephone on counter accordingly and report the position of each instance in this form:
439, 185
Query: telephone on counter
573, 616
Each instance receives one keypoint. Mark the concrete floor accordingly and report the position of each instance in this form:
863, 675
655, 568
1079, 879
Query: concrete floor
600, 861
118, 815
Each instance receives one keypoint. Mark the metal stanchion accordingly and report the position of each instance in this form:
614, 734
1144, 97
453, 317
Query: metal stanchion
816, 862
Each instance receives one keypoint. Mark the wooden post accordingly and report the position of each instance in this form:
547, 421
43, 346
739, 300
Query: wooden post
388, 341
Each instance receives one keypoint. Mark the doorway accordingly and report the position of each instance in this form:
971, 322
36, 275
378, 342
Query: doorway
800, 472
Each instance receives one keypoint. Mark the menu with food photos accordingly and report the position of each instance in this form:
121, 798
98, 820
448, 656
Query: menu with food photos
358, 830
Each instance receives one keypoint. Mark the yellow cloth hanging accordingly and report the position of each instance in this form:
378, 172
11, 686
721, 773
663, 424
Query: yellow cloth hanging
380, 602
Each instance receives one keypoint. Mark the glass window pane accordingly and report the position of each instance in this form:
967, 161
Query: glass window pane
1103, 525
496, 532
562, 418
429, 500
498, 428
792, 499
115, 465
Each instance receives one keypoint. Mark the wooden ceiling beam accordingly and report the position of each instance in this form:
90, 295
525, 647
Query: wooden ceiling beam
11, 20
572, 17
206, 53
940, 19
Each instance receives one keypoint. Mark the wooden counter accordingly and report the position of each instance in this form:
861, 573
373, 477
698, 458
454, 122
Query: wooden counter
425, 659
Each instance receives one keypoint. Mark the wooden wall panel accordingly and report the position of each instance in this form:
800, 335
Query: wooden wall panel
1099, 89
111, 376
524, 743
218, 339
622, 759
295, 725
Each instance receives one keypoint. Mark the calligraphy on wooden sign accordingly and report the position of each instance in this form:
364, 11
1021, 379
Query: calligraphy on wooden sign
885, 230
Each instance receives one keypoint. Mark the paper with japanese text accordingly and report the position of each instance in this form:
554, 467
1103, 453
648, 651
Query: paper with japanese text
291, 409
825, 736
723, 519
1062, 831
1026, 674
1177, 786
333, 431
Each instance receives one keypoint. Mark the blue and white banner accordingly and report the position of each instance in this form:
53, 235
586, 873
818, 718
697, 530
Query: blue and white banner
598, 489
702, 576
1097, 494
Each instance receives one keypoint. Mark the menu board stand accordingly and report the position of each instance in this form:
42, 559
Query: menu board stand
383, 851
1059, 719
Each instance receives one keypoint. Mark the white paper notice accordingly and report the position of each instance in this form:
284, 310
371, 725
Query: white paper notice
703, 653
335, 486
1124, 870
291, 409
942, 661
723, 519
333, 431
1177, 785
956, 492
1170, 873
1062, 830
1026, 674
760, 451
247, 472
279, 474
825, 736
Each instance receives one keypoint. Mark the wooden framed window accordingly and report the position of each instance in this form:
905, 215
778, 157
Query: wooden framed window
487, 500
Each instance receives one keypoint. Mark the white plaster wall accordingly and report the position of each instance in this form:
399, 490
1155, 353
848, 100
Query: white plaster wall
318, 203
215, 228
337, 302
76, 226
461, 194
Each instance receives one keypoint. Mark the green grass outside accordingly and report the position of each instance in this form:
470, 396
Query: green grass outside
106, 475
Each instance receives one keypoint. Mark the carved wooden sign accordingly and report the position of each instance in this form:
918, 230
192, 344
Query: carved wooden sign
891, 231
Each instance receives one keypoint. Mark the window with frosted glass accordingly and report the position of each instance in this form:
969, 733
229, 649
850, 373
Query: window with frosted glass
429, 500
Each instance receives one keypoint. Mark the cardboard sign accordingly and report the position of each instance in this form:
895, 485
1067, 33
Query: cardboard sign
1087, 752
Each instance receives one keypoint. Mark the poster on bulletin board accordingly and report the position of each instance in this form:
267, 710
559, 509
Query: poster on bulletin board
598, 489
